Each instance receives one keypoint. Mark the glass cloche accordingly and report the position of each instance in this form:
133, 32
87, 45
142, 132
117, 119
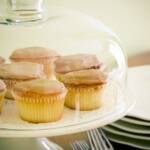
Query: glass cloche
91, 65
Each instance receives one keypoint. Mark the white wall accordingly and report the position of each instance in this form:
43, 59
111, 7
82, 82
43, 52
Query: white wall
130, 19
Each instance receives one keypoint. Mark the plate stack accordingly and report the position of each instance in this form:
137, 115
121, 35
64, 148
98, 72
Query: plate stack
130, 131
134, 129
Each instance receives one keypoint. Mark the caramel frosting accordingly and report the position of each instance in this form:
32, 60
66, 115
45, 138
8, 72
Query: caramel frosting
21, 70
33, 52
41, 86
2, 60
76, 62
87, 77
2, 85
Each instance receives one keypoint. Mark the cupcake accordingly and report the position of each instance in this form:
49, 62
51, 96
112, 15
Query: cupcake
84, 80
2, 93
2, 60
40, 100
18, 72
39, 55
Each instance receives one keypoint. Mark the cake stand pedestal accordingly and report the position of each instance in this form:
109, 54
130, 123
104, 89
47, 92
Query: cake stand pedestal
27, 144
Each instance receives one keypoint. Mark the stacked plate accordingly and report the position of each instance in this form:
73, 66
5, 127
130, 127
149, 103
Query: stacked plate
134, 129
130, 131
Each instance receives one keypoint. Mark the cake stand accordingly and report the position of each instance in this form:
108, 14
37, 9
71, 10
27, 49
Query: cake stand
31, 136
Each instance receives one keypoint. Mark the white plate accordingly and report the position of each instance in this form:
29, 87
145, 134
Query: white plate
126, 134
133, 128
72, 121
139, 83
136, 121
144, 145
127, 139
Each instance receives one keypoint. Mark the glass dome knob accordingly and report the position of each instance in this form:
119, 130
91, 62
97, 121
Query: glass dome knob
20, 11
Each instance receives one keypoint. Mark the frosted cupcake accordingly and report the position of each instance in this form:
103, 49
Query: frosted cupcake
84, 80
39, 55
2, 93
2, 60
40, 100
19, 72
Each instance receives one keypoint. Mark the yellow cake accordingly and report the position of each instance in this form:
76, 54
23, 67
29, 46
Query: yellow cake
40, 100
2, 93
41, 55
18, 72
84, 80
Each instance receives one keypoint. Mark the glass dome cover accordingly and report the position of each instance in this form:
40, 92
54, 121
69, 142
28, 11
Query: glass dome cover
31, 23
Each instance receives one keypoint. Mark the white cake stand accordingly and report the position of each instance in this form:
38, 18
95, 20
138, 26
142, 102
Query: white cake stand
16, 134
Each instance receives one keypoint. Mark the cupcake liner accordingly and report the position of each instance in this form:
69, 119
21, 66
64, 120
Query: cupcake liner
38, 108
59, 77
10, 84
84, 97
2, 94
49, 68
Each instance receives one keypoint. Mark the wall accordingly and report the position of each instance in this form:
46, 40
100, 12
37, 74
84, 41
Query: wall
130, 19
